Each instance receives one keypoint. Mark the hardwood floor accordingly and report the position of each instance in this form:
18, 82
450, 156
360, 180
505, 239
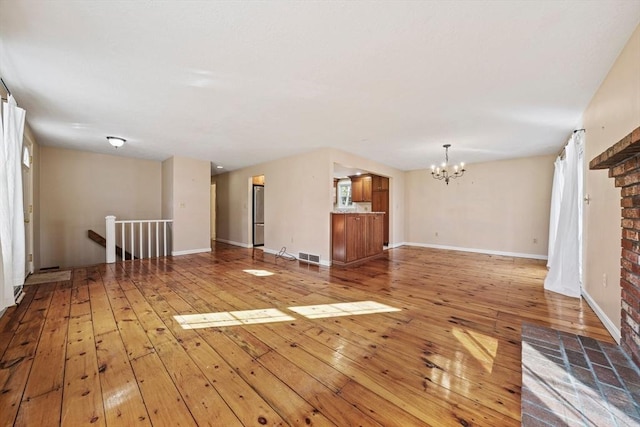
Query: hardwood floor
105, 348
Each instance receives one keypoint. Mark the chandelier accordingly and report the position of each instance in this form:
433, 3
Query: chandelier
444, 171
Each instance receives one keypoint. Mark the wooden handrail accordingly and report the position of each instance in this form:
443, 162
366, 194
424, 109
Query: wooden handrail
103, 242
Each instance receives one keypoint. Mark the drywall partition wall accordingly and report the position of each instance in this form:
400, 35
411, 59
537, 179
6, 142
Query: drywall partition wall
614, 111
296, 208
78, 189
191, 205
298, 201
396, 189
167, 189
497, 207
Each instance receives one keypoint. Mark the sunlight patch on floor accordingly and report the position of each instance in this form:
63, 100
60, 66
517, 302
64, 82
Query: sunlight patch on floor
259, 273
231, 318
482, 347
342, 309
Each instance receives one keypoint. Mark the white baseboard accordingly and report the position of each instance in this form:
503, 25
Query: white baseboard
479, 251
190, 251
613, 330
231, 242
395, 245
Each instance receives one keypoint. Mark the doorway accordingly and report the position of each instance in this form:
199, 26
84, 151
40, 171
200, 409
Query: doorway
213, 212
27, 203
258, 210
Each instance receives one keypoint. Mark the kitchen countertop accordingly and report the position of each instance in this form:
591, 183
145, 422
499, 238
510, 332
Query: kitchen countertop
356, 213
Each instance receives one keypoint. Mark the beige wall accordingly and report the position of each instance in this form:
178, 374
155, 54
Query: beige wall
190, 204
296, 205
298, 201
613, 113
78, 189
496, 207
167, 189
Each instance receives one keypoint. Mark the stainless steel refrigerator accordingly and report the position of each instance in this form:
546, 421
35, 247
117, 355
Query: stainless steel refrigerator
258, 215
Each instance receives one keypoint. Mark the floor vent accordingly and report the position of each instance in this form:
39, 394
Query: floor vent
310, 258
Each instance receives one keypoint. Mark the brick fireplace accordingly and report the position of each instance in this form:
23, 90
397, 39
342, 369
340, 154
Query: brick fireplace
623, 161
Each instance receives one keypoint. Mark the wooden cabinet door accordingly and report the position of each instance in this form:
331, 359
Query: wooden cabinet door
379, 183
356, 190
374, 233
380, 203
338, 238
355, 237
366, 189
361, 188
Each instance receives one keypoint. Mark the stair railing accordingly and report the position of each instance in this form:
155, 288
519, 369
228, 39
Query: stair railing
153, 238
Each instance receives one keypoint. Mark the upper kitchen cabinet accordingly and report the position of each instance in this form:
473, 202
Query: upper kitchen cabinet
379, 183
360, 188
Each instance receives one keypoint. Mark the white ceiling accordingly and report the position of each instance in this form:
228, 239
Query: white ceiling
240, 83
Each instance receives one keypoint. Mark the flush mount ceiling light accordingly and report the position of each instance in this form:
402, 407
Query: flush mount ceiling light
116, 141
444, 171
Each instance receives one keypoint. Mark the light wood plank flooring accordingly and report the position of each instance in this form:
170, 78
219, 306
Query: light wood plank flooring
105, 348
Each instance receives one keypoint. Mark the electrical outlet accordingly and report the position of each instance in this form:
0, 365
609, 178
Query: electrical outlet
604, 280
535, 240
436, 234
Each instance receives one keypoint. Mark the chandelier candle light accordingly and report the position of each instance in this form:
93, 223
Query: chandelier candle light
444, 171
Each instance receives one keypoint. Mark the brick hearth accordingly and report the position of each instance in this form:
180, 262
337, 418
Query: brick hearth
623, 161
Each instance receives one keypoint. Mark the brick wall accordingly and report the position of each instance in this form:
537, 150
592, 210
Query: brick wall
623, 161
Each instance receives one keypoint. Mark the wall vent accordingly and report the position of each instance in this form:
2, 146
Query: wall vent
309, 258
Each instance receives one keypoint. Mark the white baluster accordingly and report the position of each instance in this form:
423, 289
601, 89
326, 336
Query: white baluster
157, 240
133, 239
122, 241
165, 238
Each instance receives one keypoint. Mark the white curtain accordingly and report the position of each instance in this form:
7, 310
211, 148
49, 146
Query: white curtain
565, 234
12, 244
556, 198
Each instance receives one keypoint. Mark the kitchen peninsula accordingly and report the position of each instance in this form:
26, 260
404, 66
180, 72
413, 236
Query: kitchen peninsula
356, 237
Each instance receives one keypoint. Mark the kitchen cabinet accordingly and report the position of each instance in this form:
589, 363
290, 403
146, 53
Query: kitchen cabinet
380, 201
379, 183
356, 237
361, 188
375, 232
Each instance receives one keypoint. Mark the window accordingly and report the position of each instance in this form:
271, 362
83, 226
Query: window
26, 157
344, 194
